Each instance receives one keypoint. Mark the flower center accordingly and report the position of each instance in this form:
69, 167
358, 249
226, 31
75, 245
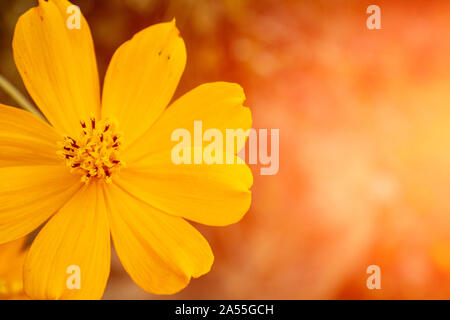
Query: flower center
95, 153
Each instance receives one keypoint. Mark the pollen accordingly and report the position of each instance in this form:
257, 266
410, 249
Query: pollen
95, 152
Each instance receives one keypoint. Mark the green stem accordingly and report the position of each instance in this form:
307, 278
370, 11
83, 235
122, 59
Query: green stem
14, 93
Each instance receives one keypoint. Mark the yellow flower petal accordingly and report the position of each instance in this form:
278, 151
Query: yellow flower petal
142, 77
25, 139
215, 194
57, 65
78, 235
159, 252
29, 195
10, 253
218, 105
12, 256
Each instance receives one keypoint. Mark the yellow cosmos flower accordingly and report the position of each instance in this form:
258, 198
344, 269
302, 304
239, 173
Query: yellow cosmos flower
104, 167
12, 256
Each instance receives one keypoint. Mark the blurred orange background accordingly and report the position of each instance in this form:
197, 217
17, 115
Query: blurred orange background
364, 119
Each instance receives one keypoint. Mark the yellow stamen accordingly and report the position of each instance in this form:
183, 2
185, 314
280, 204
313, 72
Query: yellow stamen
95, 153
